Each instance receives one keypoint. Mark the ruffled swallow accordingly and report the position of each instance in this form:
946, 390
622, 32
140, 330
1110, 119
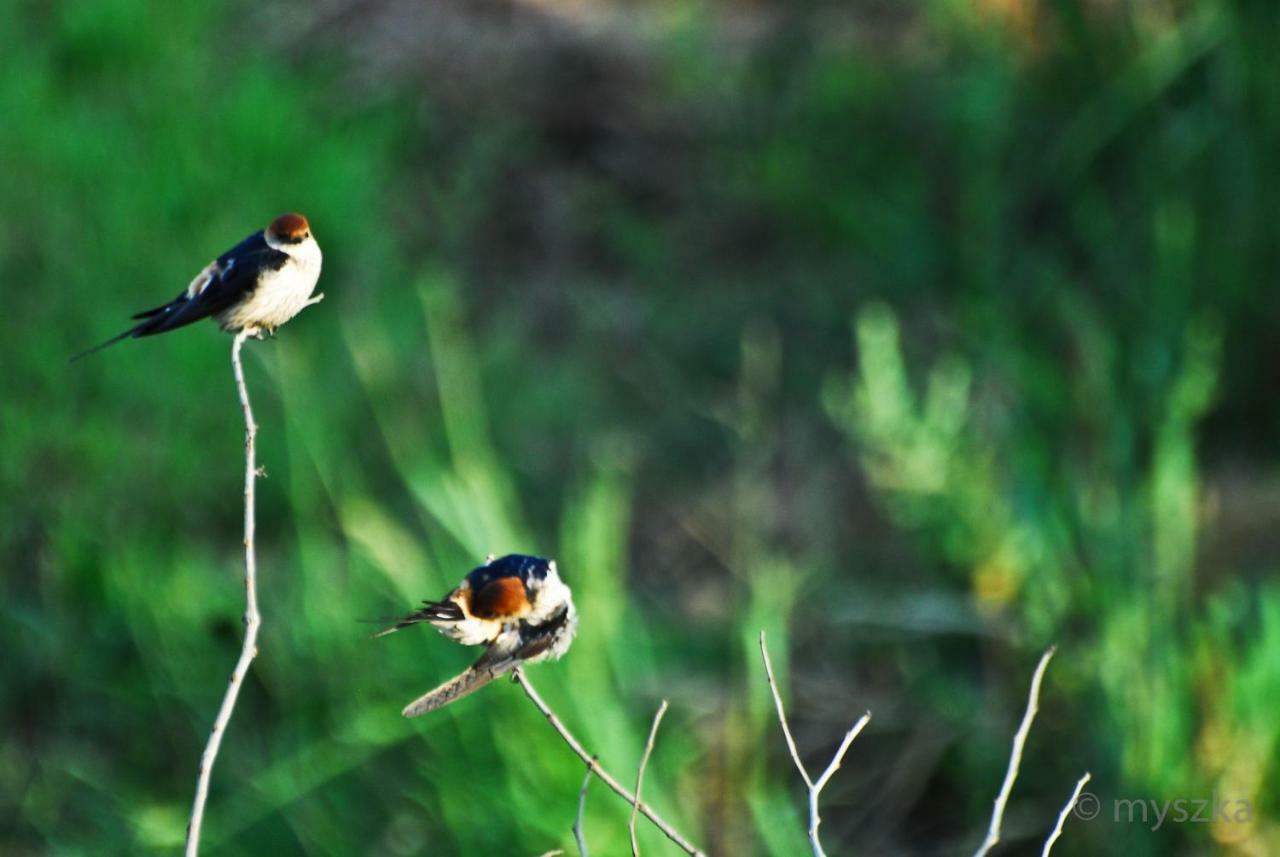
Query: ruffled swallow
516, 606
257, 285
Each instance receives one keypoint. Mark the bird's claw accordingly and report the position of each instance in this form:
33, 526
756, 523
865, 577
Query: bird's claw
314, 300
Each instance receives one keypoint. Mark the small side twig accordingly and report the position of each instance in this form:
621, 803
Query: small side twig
815, 788
1015, 757
644, 760
252, 619
520, 678
578, 835
1062, 816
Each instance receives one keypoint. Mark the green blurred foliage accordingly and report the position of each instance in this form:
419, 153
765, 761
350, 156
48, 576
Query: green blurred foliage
591, 283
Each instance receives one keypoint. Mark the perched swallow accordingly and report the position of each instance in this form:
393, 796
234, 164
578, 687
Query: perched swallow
517, 606
257, 285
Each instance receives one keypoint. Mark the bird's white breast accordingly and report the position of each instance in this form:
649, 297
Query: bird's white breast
472, 631
279, 295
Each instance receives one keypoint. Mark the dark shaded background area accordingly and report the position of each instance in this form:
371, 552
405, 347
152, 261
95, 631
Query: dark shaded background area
921, 336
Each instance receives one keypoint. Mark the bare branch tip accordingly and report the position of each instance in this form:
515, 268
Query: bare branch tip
1062, 816
1015, 755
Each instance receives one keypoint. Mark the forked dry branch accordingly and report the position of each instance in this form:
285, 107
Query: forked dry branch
815, 787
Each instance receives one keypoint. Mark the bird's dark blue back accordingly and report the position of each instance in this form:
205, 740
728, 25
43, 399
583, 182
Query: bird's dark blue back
511, 565
253, 244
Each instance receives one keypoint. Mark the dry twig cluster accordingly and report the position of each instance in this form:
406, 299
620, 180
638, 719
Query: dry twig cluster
814, 786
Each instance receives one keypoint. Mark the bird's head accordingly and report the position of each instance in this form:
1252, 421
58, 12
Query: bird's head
289, 229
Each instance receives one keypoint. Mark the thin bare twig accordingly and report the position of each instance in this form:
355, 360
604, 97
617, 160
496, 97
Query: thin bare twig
1015, 757
782, 715
815, 788
252, 620
1062, 816
644, 760
519, 677
578, 835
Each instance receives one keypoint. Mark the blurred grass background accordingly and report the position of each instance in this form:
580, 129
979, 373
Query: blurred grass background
919, 335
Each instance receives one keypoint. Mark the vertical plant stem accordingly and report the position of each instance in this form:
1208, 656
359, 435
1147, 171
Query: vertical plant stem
578, 835
252, 620
644, 760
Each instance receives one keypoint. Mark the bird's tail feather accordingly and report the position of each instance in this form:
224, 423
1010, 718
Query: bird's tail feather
112, 341
432, 611
470, 680
490, 666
